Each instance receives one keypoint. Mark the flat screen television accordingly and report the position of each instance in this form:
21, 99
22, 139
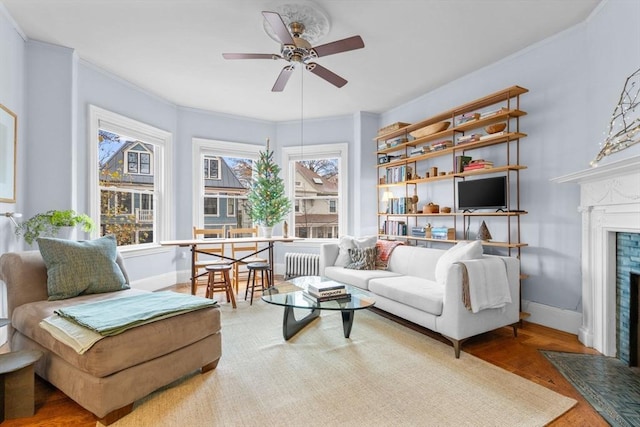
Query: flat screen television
485, 193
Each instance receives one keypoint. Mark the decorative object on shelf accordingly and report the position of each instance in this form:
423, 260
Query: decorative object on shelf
414, 204
285, 229
445, 209
49, 224
430, 130
267, 201
431, 208
392, 127
483, 232
433, 171
495, 128
624, 127
383, 159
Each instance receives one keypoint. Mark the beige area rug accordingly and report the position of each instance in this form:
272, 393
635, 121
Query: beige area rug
385, 374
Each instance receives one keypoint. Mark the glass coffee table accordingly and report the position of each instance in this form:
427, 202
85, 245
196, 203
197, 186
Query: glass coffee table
290, 295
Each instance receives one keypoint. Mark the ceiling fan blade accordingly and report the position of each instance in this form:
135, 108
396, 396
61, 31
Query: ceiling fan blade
250, 56
283, 78
329, 76
277, 24
339, 46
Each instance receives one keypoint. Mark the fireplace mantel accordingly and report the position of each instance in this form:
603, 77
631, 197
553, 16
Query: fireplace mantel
609, 203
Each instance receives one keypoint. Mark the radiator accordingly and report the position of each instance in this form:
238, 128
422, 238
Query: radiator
297, 264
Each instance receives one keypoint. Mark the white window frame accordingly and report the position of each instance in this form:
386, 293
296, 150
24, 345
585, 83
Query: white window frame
312, 152
162, 164
211, 148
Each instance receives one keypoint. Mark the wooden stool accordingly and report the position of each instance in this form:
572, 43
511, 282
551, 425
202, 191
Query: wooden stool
262, 267
222, 285
17, 383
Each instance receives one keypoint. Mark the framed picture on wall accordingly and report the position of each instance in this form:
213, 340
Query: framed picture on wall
8, 142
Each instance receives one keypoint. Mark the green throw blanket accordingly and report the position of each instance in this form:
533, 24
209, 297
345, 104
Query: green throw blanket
111, 317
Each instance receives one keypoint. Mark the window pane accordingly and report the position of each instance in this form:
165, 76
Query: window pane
230, 188
211, 206
145, 163
119, 189
316, 198
132, 161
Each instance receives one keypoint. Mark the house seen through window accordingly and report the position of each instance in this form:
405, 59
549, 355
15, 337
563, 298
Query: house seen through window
126, 188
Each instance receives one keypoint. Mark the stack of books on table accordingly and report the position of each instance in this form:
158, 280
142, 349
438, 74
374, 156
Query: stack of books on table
327, 291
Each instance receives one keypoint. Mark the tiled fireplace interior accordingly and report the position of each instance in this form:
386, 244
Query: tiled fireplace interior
627, 294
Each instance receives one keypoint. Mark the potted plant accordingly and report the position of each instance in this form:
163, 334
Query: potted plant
267, 202
49, 224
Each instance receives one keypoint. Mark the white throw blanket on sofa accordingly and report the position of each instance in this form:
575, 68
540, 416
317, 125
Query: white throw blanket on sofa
485, 284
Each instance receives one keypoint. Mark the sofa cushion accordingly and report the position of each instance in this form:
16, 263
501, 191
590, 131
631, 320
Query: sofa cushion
358, 278
362, 258
85, 267
350, 242
460, 252
416, 292
118, 352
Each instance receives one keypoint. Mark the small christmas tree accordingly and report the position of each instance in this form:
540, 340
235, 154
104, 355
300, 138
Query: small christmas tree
267, 202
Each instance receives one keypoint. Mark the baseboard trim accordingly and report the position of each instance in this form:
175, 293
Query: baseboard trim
553, 317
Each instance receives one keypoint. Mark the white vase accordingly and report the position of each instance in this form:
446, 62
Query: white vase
266, 231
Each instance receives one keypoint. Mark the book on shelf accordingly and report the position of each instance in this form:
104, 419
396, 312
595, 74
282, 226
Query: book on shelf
340, 297
441, 145
478, 164
477, 167
461, 162
469, 138
467, 117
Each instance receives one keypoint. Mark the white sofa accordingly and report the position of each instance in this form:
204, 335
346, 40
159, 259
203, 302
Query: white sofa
408, 288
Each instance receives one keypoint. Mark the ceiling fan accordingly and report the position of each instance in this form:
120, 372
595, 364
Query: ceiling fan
296, 50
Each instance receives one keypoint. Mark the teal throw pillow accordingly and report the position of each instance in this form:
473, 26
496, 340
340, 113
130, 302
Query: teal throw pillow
362, 258
80, 268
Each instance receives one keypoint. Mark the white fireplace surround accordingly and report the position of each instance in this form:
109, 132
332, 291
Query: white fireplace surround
609, 203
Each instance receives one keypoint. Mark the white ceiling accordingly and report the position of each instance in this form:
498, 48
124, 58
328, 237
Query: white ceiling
173, 48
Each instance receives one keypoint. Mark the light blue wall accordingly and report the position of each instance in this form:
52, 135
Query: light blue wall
574, 79
12, 96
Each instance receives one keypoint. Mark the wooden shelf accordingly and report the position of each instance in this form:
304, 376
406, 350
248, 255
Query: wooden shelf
487, 101
499, 139
507, 213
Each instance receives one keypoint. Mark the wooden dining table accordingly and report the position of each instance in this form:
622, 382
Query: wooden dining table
267, 242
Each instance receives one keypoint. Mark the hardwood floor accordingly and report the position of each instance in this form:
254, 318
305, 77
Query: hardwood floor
518, 355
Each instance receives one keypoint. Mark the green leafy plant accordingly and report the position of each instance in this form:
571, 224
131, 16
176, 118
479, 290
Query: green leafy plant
50, 222
267, 202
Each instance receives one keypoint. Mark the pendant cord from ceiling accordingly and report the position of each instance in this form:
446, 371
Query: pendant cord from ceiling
302, 114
